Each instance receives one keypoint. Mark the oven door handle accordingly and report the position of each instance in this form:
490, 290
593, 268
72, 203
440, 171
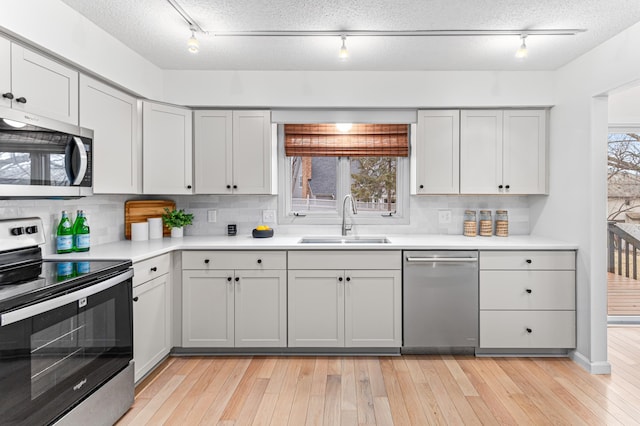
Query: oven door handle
48, 305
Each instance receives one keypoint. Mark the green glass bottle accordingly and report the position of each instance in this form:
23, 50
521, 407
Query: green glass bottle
81, 232
64, 235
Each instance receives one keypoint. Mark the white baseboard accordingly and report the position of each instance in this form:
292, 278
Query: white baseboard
600, 367
619, 319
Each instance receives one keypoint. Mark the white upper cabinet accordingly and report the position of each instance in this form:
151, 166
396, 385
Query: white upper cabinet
480, 151
114, 118
167, 149
233, 152
5, 72
33, 84
213, 152
252, 154
503, 152
525, 151
437, 152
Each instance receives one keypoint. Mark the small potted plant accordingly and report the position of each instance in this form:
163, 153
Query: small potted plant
176, 220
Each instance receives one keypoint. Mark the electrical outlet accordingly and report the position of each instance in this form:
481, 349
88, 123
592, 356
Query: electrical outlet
444, 217
212, 216
268, 216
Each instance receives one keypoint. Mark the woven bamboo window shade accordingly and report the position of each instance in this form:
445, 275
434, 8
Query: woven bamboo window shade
363, 140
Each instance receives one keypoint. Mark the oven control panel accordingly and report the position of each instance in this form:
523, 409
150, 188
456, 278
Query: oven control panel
20, 233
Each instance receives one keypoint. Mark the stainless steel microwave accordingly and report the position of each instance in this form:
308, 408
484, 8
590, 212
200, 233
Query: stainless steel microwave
51, 161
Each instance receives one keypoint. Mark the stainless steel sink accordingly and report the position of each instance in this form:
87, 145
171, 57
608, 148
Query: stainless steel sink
356, 239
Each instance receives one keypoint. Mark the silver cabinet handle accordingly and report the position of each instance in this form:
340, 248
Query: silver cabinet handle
48, 305
441, 259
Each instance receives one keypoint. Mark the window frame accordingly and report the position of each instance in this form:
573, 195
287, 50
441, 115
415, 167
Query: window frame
343, 183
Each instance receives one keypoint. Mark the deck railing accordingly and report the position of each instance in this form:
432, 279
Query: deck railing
623, 252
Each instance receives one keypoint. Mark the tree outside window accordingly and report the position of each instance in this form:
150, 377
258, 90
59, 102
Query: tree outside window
623, 177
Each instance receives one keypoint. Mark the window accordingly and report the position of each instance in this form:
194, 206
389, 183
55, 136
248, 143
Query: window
323, 164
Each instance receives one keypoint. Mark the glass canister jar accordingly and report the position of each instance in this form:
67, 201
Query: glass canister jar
470, 223
486, 223
502, 223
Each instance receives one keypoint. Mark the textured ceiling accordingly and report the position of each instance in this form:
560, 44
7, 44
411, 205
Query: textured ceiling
157, 32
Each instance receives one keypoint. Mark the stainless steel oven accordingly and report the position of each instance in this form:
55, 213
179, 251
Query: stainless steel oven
66, 331
55, 161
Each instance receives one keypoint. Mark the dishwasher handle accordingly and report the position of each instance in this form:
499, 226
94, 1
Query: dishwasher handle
442, 259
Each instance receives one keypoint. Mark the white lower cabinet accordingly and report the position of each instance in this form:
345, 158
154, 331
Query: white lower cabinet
345, 307
151, 314
234, 307
527, 329
527, 299
316, 308
260, 308
207, 309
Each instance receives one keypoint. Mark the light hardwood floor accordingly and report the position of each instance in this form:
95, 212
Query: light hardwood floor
407, 390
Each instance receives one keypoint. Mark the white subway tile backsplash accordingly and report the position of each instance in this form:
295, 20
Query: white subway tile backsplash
106, 214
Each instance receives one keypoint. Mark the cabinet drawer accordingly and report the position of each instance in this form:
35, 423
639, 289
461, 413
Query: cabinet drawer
342, 259
151, 268
527, 290
234, 260
550, 260
509, 329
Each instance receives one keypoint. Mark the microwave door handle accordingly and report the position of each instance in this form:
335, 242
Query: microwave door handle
82, 170
51, 304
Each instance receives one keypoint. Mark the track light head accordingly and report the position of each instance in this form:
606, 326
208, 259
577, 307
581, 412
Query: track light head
522, 52
193, 45
344, 53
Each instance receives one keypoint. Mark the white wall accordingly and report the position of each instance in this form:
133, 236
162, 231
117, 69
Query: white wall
364, 89
63, 32
624, 108
575, 210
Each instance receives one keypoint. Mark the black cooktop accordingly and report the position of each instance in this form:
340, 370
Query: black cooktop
39, 280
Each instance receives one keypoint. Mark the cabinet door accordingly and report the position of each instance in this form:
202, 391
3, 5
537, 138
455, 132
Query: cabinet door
437, 162
151, 324
373, 308
5, 71
252, 153
480, 151
167, 146
316, 308
49, 89
260, 308
524, 156
207, 309
114, 118
213, 153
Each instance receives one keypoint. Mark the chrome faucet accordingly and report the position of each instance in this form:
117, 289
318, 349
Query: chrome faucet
344, 213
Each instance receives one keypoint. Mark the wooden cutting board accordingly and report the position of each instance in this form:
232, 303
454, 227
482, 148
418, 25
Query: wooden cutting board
141, 210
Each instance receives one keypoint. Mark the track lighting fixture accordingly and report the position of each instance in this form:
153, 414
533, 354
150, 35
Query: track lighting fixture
193, 44
344, 53
522, 53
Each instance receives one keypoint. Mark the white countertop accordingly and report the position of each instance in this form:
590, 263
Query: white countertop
140, 250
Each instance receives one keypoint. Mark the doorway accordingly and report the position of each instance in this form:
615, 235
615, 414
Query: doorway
623, 226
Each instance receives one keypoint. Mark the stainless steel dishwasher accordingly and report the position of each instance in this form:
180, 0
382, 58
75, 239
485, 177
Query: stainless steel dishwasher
440, 301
